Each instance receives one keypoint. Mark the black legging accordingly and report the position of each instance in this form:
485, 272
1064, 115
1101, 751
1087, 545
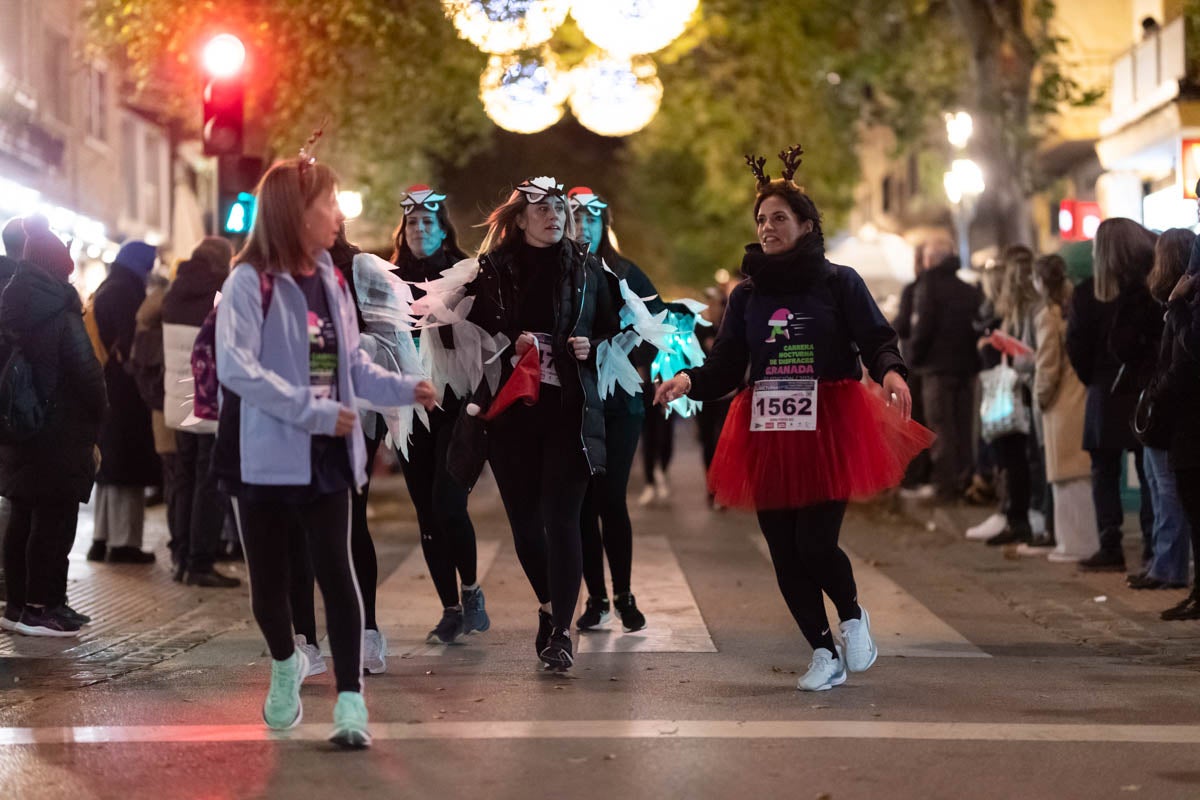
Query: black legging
36, 546
804, 549
658, 440
605, 507
1013, 457
537, 458
362, 551
270, 532
447, 535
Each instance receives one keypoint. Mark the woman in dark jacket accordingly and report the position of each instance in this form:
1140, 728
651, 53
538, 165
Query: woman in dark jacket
1179, 388
1124, 257
426, 245
541, 289
129, 462
46, 478
808, 436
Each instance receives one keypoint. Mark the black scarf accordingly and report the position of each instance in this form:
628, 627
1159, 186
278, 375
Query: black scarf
786, 273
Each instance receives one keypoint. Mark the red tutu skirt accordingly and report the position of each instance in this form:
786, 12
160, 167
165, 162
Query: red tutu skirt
861, 446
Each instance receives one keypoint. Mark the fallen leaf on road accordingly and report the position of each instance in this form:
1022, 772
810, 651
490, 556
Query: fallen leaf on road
428, 672
611, 757
477, 700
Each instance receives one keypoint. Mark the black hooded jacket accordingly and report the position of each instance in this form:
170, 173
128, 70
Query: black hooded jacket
943, 327
797, 307
44, 315
583, 306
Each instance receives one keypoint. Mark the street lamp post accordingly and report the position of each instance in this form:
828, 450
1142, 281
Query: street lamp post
964, 182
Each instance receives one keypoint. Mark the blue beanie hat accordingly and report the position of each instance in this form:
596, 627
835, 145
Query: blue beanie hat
137, 256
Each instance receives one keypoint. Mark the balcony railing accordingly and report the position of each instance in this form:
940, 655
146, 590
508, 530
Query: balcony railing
1140, 73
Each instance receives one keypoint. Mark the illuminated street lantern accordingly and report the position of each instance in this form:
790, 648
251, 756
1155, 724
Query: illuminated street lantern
503, 26
350, 203
523, 94
615, 96
633, 27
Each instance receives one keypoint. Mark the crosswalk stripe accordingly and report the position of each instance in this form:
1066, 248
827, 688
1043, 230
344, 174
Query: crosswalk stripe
908, 628
621, 729
673, 620
407, 605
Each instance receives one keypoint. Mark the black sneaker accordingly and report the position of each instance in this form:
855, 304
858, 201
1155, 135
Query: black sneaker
631, 618
1146, 582
1188, 609
129, 555
1104, 561
545, 628
595, 614
475, 616
557, 654
449, 629
211, 579
71, 614
12, 615
1010, 535
46, 622
97, 551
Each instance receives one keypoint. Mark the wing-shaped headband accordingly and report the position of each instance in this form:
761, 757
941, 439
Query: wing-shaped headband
538, 189
421, 196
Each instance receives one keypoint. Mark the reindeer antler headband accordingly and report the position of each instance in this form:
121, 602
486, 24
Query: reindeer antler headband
308, 151
790, 157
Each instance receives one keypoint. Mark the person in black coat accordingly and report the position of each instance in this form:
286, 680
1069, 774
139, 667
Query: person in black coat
541, 289
1179, 390
46, 478
129, 462
943, 353
1124, 257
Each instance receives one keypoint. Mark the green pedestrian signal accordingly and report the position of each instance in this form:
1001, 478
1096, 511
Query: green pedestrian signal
240, 216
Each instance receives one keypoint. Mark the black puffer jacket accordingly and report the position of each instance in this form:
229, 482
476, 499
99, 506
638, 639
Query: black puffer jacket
584, 308
127, 438
57, 466
1179, 384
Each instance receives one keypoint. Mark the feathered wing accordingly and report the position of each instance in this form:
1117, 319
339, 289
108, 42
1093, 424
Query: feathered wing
684, 351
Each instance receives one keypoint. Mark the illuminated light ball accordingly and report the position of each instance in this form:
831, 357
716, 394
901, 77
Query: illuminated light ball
615, 96
633, 27
523, 94
502, 26
224, 56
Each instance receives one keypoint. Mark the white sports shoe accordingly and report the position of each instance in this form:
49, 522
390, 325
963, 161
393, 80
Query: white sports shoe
988, 528
316, 663
861, 651
374, 652
1037, 522
824, 671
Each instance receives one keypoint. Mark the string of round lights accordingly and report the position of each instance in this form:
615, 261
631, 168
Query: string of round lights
503, 26
524, 93
633, 27
615, 96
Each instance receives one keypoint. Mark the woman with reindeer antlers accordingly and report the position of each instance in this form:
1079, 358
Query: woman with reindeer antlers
807, 436
543, 292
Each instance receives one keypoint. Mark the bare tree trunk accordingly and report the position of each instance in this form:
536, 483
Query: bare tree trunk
1004, 59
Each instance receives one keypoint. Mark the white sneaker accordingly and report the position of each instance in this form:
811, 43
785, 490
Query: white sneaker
374, 652
824, 671
647, 496
1064, 558
861, 651
1037, 521
988, 528
316, 663
923, 492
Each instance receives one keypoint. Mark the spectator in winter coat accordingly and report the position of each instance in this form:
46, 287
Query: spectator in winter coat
128, 461
944, 354
1124, 256
198, 509
920, 470
47, 477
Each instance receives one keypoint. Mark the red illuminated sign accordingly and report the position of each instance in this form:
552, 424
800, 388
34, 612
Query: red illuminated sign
1078, 220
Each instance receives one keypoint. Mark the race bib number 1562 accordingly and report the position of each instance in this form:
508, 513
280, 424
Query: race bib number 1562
784, 405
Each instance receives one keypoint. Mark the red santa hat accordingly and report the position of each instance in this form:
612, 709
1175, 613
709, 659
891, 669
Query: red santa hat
524, 384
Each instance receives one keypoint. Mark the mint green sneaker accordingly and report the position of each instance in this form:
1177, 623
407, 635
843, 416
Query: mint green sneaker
350, 722
282, 709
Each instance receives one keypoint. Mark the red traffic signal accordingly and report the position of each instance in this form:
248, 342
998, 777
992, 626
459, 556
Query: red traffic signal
224, 95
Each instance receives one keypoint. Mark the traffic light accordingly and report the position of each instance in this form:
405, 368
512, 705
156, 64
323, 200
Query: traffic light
237, 177
224, 95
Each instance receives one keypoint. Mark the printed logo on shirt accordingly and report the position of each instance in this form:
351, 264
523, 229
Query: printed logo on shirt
322, 356
793, 356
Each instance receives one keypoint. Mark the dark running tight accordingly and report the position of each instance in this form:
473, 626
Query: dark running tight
270, 531
605, 526
804, 549
447, 535
537, 458
658, 441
